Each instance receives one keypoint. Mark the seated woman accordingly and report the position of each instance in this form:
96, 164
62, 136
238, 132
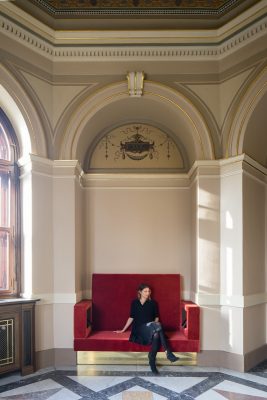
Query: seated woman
146, 328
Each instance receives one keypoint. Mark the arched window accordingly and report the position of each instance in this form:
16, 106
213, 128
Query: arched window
9, 215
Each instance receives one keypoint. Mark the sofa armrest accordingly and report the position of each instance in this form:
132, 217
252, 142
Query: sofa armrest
82, 319
190, 319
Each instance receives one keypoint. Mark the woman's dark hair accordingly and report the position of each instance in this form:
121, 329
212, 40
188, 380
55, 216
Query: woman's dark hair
141, 287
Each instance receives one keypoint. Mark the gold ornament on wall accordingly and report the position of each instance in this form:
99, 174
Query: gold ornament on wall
136, 146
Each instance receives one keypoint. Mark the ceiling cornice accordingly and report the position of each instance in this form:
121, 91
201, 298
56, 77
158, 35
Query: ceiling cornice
140, 45
137, 44
149, 36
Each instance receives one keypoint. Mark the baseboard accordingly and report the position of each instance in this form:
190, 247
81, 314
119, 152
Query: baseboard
235, 362
206, 358
221, 359
255, 357
45, 358
55, 358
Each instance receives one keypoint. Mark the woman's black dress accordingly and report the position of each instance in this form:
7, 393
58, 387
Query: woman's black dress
143, 315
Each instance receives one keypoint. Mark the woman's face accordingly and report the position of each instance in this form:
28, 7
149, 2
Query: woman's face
145, 293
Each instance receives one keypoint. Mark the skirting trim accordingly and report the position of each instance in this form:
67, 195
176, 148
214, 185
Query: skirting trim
206, 358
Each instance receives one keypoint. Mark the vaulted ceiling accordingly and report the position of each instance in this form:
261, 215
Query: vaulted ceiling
209, 52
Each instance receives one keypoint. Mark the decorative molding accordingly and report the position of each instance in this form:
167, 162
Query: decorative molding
30, 40
51, 168
245, 164
228, 167
195, 124
255, 164
57, 298
126, 181
222, 300
255, 174
67, 169
35, 165
178, 46
203, 168
235, 133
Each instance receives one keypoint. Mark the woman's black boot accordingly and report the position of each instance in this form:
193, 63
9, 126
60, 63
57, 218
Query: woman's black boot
171, 357
152, 362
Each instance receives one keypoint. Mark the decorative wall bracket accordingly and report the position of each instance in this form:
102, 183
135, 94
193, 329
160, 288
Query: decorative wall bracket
135, 83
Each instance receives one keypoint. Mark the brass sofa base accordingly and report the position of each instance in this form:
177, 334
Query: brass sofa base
130, 358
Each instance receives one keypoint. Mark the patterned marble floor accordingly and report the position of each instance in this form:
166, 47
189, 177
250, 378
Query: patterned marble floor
136, 383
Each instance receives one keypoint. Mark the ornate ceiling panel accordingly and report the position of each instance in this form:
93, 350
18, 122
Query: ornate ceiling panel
200, 11
190, 7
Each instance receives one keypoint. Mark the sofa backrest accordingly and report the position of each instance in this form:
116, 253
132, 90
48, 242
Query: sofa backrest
112, 295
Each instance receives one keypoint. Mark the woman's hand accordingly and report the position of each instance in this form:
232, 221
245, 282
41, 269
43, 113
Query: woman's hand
128, 323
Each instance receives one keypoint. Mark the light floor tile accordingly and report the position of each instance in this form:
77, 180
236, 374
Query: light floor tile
97, 383
112, 382
88, 369
210, 395
248, 376
64, 394
177, 384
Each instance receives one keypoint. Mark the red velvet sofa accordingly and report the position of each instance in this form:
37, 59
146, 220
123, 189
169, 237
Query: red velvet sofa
96, 319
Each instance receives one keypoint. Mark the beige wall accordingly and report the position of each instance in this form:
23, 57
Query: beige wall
254, 215
208, 233
193, 246
254, 222
139, 230
232, 231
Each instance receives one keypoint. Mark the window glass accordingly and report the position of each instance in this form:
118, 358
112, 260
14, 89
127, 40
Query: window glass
9, 211
4, 260
5, 190
5, 153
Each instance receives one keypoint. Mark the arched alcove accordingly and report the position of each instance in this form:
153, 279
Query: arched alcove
247, 133
159, 106
22, 115
255, 137
21, 112
16, 118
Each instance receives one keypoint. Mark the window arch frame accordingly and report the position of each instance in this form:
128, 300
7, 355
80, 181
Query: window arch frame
9, 172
